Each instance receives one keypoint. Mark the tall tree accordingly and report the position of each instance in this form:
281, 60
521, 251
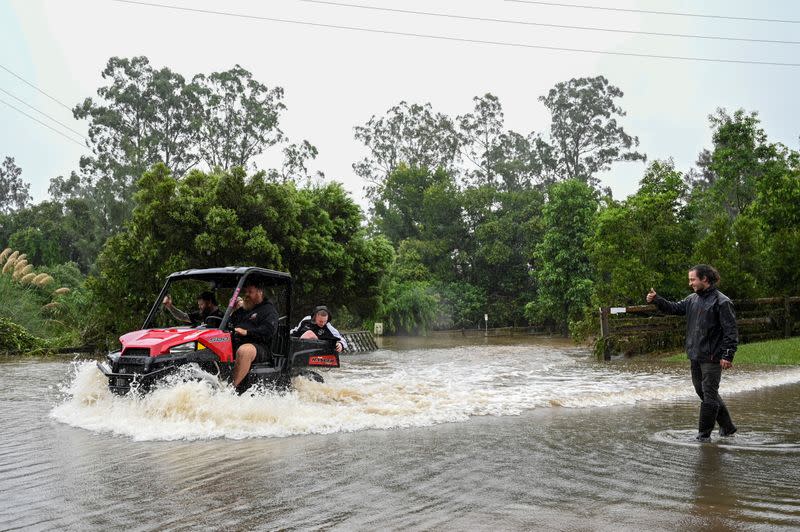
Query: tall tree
561, 266
483, 130
585, 135
238, 117
645, 240
411, 134
295, 163
143, 116
501, 158
147, 115
741, 156
14, 192
734, 198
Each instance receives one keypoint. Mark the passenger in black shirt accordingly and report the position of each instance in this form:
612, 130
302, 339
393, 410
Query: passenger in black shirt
206, 306
254, 324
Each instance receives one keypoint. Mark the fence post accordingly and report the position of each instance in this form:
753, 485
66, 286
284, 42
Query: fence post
787, 324
604, 331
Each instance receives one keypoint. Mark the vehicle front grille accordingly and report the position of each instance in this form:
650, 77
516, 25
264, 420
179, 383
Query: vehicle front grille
136, 351
130, 368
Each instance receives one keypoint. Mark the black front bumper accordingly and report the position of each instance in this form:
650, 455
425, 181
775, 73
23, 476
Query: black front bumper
121, 382
140, 371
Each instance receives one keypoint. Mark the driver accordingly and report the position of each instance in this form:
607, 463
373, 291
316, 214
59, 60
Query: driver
254, 323
206, 306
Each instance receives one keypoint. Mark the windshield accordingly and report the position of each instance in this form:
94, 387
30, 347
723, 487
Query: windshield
191, 302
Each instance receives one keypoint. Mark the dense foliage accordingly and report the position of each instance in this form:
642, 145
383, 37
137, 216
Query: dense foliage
518, 223
561, 265
467, 218
227, 218
42, 308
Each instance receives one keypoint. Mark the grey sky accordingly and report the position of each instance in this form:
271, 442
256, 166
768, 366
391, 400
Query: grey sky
335, 79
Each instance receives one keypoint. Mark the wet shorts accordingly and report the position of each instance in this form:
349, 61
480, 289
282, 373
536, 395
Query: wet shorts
262, 353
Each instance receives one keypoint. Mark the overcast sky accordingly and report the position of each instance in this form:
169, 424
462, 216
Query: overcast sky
336, 78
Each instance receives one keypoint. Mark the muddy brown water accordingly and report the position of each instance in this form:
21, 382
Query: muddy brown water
500, 434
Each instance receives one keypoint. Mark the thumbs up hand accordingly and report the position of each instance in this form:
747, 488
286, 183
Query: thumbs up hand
651, 295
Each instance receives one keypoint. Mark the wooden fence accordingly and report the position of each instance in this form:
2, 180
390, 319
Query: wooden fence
643, 329
360, 341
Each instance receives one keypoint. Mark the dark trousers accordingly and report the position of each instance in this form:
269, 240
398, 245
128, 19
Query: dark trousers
705, 378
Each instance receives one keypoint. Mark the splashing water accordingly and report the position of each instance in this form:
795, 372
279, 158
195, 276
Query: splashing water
384, 390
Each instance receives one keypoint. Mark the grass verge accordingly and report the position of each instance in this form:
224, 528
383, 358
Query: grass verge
784, 352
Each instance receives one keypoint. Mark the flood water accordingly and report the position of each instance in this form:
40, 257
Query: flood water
501, 435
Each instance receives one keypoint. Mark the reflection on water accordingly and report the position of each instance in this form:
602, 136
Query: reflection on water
503, 436
713, 506
782, 442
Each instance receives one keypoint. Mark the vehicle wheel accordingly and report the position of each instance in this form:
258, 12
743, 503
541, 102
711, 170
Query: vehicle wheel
312, 375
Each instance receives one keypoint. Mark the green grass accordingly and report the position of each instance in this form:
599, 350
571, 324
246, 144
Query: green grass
25, 323
785, 352
23, 306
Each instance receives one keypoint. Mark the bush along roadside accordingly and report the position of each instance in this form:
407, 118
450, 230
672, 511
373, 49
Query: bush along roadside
15, 339
39, 313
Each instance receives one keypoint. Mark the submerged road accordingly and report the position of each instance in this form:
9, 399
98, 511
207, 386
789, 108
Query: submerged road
501, 437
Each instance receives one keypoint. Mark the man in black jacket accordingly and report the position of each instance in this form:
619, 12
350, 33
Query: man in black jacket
711, 340
254, 322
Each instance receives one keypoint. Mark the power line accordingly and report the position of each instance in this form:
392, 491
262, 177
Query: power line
43, 113
546, 25
45, 125
59, 102
462, 40
645, 11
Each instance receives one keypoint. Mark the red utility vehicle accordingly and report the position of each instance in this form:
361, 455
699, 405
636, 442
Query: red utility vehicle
165, 344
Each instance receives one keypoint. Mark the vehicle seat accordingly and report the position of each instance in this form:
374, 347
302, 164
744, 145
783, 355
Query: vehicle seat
281, 337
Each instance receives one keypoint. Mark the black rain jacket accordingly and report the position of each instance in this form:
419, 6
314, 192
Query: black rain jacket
260, 322
711, 331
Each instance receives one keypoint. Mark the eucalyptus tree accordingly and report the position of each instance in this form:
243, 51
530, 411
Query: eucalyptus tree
499, 157
584, 133
141, 117
239, 117
409, 133
482, 132
14, 192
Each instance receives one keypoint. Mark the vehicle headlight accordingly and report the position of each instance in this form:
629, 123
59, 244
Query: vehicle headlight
183, 348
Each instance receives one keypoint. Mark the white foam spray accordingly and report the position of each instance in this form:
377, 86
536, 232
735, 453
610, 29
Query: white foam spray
383, 391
